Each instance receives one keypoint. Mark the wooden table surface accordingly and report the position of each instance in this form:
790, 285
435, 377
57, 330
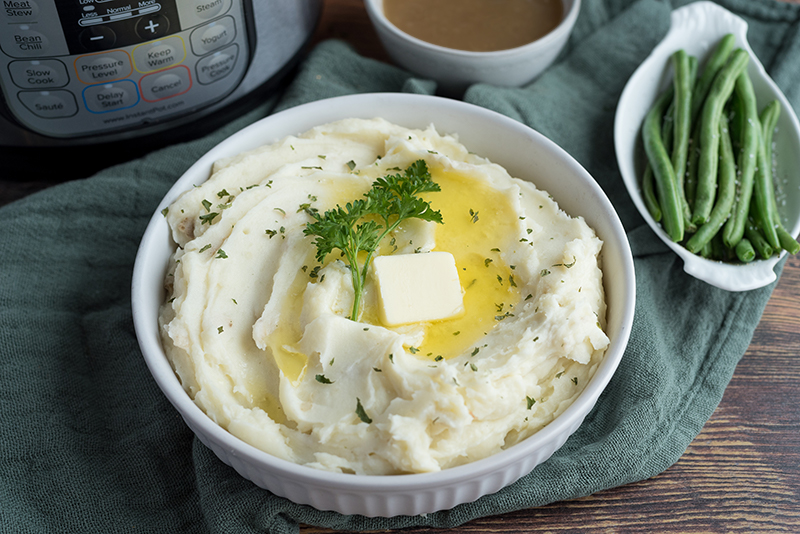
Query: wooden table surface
741, 474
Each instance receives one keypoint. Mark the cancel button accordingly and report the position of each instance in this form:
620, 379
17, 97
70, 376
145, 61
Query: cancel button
165, 84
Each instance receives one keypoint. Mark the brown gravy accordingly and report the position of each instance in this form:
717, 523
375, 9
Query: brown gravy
475, 25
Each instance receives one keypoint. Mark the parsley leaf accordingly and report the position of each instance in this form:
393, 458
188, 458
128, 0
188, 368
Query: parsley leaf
351, 230
361, 413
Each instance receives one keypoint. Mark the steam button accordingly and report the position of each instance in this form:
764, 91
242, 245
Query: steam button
208, 9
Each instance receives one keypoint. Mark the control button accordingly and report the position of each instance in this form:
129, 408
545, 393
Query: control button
159, 54
103, 67
17, 11
152, 26
213, 36
208, 9
97, 38
49, 104
217, 65
25, 42
166, 83
110, 96
38, 73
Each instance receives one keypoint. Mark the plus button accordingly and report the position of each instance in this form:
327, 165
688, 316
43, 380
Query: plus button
151, 26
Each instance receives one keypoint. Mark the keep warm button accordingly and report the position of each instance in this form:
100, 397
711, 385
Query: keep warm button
165, 84
159, 55
110, 96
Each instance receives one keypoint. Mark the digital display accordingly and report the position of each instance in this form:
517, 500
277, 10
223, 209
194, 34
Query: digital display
96, 25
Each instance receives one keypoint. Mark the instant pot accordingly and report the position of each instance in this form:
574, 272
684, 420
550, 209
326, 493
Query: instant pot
95, 81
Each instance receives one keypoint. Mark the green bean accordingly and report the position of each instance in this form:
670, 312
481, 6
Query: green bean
664, 175
681, 124
690, 184
715, 62
762, 205
788, 243
748, 153
745, 251
769, 119
707, 251
754, 235
727, 192
720, 90
649, 194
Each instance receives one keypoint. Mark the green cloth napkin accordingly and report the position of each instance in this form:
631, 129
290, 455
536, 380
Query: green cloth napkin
89, 444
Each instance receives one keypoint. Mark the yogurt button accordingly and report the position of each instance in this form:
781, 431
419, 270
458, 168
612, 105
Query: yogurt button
213, 36
49, 104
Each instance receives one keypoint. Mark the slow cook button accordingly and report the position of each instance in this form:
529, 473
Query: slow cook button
213, 36
217, 65
49, 104
159, 55
19, 11
165, 84
104, 67
38, 73
110, 96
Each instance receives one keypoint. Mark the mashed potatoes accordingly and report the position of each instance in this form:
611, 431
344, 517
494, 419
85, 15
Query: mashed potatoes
259, 334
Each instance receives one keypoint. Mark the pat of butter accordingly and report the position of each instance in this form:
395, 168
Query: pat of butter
416, 288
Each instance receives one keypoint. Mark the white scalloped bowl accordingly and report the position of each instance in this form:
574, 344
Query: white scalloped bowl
524, 152
455, 70
697, 28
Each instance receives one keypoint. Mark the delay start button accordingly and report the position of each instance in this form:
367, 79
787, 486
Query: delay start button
218, 65
165, 84
113, 96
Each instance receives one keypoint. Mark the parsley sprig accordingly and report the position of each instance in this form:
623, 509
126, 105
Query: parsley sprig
362, 224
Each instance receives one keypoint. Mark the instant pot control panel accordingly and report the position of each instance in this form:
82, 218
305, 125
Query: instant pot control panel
72, 68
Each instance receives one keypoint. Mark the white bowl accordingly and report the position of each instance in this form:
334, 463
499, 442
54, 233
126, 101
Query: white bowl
697, 28
455, 70
523, 152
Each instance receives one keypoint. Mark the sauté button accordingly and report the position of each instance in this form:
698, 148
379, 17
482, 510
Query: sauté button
49, 104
